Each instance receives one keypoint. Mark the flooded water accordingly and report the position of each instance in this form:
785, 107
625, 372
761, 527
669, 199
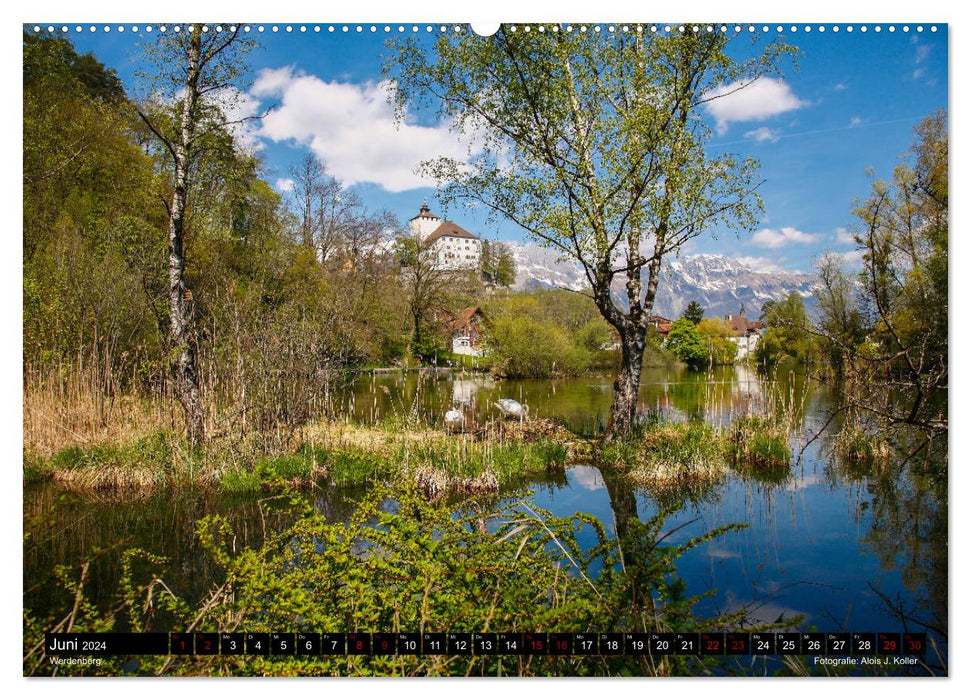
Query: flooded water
848, 548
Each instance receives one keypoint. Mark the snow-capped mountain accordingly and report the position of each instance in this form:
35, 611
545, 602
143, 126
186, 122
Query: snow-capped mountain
721, 284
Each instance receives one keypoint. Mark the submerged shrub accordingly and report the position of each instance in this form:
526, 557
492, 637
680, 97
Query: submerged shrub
663, 452
856, 445
760, 441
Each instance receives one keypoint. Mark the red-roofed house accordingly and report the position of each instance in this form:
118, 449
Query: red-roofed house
455, 248
662, 324
746, 333
467, 332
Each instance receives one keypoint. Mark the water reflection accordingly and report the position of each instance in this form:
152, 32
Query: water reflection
582, 403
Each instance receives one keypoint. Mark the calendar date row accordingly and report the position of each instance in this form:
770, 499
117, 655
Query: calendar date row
488, 643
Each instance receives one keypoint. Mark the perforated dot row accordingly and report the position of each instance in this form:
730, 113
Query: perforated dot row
414, 28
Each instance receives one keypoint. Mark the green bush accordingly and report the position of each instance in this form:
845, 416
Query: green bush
404, 563
760, 441
546, 333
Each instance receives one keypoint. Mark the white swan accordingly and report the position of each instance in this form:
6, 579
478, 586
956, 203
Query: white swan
454, 419
512, 409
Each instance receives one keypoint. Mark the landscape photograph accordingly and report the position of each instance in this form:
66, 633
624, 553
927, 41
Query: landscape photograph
533, 350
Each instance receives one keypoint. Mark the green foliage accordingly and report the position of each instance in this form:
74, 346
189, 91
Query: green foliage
859, 446
842, 324
686, 342
36, 468
663, 451
239, 480
694, 312
761, 441
787, 337
90, 215
715, 334
154, 452
546, 333
403, 563
498, 264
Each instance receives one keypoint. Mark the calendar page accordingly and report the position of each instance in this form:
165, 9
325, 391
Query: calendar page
538, 349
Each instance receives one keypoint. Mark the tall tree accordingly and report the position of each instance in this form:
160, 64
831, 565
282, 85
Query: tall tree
595, 145
787, 335
309, 182
694, 312
902, 233
427, 286
498, 264
197, 70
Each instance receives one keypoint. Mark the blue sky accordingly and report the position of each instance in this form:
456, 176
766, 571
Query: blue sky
849, 104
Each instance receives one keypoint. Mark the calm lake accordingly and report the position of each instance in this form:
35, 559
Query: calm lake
850, 548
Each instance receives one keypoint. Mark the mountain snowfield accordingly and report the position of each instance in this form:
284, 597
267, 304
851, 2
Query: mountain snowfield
721, 284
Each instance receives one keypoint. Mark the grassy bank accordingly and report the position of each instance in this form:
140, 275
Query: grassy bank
347, 454
341, 454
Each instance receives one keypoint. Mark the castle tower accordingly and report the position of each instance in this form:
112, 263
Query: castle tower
423, 224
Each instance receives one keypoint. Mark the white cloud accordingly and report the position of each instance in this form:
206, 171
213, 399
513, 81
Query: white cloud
764, 98
923, 51
284, 184
853, 258
776, 238
855, 121
760, 264
239, 109
588, 477
763, 133
352, 128
843, 236
839, 87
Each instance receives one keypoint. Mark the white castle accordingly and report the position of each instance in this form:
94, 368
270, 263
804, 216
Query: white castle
454, 248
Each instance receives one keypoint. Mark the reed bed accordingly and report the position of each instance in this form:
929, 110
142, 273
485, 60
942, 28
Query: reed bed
77, 436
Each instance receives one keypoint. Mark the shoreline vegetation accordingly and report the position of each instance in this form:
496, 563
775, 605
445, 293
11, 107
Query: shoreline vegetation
141, 454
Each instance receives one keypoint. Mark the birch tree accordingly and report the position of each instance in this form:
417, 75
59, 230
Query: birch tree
596, 146
198, 67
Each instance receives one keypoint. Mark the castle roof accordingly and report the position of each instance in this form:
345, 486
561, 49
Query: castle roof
449, 228
424, 213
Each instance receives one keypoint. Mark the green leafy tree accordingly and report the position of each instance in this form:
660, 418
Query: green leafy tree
716, 334
546, 333
597, 147
90, 224
902, 233
694, 312
498, 264
787, 336
842, 326
686, 342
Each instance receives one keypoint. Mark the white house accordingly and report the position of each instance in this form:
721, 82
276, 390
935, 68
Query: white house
746, 333
467, 332
453, 246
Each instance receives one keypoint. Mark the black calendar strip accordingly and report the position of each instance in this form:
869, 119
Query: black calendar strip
290, 644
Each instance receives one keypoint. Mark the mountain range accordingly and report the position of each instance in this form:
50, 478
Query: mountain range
721, 284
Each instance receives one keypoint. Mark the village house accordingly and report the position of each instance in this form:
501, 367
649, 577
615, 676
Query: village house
663, 325
745, 333
453, 247
467, 332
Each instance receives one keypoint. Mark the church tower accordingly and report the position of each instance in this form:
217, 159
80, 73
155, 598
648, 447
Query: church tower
423, 224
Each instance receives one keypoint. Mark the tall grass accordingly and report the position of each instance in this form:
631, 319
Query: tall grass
66, 406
